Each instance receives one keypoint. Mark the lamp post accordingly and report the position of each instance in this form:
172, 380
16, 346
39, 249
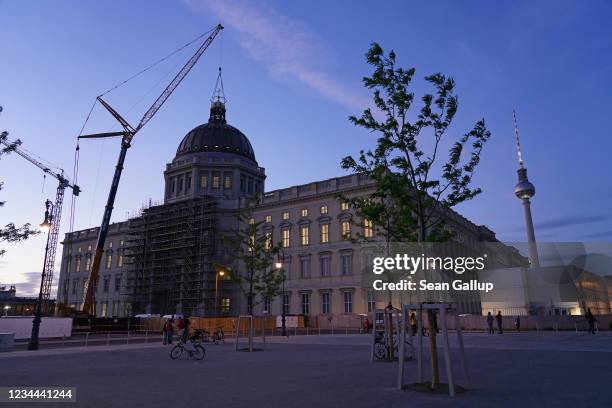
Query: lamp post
280, 261
221, 273
45, 226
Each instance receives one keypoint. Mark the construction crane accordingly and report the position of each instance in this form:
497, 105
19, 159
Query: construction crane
54, 217
127, 135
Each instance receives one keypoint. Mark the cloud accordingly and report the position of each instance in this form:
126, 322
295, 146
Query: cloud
598, 234
287, 48
567, 221
28, 284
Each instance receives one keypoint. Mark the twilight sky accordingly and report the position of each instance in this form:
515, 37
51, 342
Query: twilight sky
292, 74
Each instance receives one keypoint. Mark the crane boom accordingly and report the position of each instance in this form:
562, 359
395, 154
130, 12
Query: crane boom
89, 304
52, 239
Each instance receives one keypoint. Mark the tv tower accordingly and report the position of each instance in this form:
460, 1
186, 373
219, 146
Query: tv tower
525, 190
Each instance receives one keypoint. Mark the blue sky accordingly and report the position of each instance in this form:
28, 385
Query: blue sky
292, 73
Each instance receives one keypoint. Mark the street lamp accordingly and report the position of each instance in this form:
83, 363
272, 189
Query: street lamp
6, 309
280, 260
45, 226
221, 273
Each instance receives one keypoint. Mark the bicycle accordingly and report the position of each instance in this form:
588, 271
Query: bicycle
191, 346
381, 351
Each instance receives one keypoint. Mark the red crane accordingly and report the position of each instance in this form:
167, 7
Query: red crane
128, 133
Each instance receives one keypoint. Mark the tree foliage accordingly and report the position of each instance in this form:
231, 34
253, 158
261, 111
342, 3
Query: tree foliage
10, 232
254, 256
413, 188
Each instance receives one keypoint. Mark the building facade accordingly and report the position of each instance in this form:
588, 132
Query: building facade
162, 261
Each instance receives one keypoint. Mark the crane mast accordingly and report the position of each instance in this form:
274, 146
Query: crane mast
128, 133
49, 264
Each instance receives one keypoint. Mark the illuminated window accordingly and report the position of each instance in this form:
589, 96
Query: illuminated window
304, 212
323, 209
203, 181
304, 235
268, 242
368, 228
216, 180
89, 247
285, 215
227, 181
344, 206
326, 302
286, 238
110, 244
77, 264
225, 305
121, 242
348, 302
324, 233
120, 261
346, 230
251, 221
109, 261
104, 306
87, 262
79, 250
268, 218
305, 303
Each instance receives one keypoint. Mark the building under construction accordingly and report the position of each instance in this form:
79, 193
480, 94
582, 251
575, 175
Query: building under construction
170, 251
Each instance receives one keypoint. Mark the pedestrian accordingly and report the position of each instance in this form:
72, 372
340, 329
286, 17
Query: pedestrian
186, 328
180, 326
168, 331
591, 320
498, 317
490, 322
366, 325
517, 323
413, 324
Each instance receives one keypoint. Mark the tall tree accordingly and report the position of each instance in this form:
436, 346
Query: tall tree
254, 256
10, 232
413, 188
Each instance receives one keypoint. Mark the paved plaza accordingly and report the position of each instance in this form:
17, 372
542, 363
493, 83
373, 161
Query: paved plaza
527, 370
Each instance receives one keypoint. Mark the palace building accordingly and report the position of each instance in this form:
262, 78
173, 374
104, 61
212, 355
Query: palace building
162, 261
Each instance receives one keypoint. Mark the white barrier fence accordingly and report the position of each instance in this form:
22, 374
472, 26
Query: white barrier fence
49, 327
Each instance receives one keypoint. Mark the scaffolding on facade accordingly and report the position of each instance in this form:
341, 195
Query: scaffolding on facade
170, 252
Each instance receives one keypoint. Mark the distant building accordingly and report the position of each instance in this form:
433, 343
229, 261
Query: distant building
162, 261
13, 305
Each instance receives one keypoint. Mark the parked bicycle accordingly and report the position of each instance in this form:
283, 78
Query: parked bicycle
191, 346
218, 336
381, 351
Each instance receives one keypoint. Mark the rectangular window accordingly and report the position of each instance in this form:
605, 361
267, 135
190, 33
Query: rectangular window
77, 265
87, 262
348, 302
203, 181
305, 303
115, 308
225, 305
227, 181
120, 261
106, 284
305, 267
121, 243
117, 283
371, 301
304, 235
323, 209
242, 183
346, 230
250, 185
368, 229
110, 244
286, 240
216, 180
286, 303
109, 261
188, 182
285, 215
344, 206
267, 304
304, 212
75, 283
325, 262
268, 218
326, 302
347, 264
268, 242
324, 233
180, 184
103, 307
172, 185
